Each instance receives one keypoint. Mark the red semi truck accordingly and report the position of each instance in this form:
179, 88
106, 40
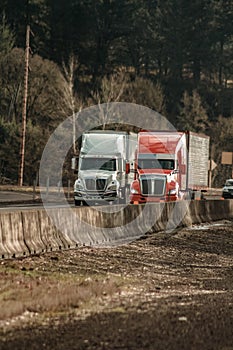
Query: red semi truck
170, 166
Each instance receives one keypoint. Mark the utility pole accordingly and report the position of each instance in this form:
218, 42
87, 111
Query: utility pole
24, 109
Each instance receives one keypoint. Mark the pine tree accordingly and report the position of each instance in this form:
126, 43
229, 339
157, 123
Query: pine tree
192, 115
7, 39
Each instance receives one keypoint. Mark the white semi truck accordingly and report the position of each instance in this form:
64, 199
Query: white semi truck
104, 164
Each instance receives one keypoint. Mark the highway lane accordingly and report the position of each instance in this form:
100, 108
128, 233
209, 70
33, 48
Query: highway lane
15, 207
16, 200
12, 196
12, 206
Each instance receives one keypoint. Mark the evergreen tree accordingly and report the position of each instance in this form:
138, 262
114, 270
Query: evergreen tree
7, 39
9, 150
222, 44
199, 36
221, 136
192, 115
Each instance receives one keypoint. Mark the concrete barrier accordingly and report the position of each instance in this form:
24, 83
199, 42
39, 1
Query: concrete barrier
32, 231
53, 237
12, 243
35, 231
210, 210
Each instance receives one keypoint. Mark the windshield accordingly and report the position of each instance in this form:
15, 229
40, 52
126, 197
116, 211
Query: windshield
229, 183
98, 164
156, 164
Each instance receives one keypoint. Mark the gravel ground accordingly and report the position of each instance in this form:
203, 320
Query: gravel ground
167, 291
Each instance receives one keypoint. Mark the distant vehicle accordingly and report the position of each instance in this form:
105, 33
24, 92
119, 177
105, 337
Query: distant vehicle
227, 191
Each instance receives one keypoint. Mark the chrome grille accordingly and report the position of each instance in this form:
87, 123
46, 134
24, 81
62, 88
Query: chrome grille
153, 186
100, 184
95, 184
90, 184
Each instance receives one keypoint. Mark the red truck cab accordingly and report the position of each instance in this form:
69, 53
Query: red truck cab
160, 167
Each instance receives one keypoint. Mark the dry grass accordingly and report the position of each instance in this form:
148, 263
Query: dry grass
22, 291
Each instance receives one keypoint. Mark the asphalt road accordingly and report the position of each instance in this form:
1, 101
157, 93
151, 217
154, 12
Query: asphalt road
16, 200
11, 196
22, 200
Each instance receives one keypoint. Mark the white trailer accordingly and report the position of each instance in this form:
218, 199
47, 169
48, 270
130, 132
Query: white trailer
198, 163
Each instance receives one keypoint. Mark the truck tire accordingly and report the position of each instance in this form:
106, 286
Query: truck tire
77, 203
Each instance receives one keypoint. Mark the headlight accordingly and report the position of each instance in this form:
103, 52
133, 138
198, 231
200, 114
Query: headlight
112, 187
78, 185
132, 190
172, 191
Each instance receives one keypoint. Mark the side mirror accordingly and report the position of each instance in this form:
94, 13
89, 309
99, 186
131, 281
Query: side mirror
74, 164
127, 168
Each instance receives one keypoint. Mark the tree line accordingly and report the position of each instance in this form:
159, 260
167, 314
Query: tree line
173, 56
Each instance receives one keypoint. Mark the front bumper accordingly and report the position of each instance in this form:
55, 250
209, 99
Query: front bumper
140, 199
93, 196
227, 195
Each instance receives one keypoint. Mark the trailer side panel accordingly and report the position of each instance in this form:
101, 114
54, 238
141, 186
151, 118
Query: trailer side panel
198, 156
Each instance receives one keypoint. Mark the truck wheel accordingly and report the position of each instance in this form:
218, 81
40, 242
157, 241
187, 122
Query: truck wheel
77, 203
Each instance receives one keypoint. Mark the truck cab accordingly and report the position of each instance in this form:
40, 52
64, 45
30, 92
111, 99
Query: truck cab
103, 169
98, 178
160, 167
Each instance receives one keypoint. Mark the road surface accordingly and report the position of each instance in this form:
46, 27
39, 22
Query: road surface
11, 196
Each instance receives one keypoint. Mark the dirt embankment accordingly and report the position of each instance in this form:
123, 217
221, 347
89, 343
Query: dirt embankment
167, 291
